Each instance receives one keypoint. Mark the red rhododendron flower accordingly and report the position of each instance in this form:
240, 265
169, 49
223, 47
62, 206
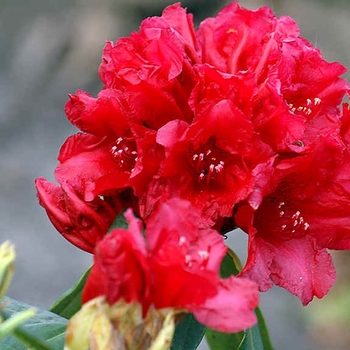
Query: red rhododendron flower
176, 266
81, 223
241, 118
307, 213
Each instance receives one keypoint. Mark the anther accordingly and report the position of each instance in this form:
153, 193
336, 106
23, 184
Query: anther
182, 240
203, 254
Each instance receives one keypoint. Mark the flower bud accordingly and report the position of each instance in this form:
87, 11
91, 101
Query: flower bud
7, 257
99, 326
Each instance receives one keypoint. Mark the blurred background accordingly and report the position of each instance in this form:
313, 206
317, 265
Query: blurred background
51, 48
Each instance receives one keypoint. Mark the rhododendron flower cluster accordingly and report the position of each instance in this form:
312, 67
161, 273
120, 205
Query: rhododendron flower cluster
131, 269
241, 119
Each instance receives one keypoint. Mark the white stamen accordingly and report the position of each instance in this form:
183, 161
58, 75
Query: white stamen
296, 214
203, 254
218, 168
182, 240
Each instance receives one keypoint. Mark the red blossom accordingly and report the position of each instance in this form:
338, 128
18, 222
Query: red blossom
241, 119
306, 214
111, 155
82, 223
176, 266
239, 39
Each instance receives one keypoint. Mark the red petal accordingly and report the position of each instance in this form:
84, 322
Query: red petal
296, 265
120, 270
231, 310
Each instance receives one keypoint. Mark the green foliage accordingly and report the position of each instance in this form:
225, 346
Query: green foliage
44, 331
119, 222
223, 341
230, 264
255, 338
8, 327
188, 334
70, 302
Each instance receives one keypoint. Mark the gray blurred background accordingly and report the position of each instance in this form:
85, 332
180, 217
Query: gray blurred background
51, 48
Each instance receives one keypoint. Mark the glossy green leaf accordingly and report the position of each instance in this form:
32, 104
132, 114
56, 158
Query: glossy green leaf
264, 332
188, 334
70, 302
252, 339
223, 341
44, 331
119, 222
7, 327
255, 338
229, 265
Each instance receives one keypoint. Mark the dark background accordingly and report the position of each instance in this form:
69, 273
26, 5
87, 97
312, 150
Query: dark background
51, 48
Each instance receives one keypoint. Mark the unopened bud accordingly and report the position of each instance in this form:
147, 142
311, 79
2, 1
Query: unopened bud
7, 258
99, 326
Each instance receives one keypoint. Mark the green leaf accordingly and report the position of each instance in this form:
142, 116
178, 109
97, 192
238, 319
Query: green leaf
229, 265
119, 222
255, 338
7, 327
44, 331
224, 341
70, 302
264, 332
188, 334
252, 339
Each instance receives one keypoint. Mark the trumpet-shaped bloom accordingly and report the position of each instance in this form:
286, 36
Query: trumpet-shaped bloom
176, 265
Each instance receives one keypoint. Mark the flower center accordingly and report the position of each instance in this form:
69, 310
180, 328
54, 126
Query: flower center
292, 223
208, 163
125, 154
308, 109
